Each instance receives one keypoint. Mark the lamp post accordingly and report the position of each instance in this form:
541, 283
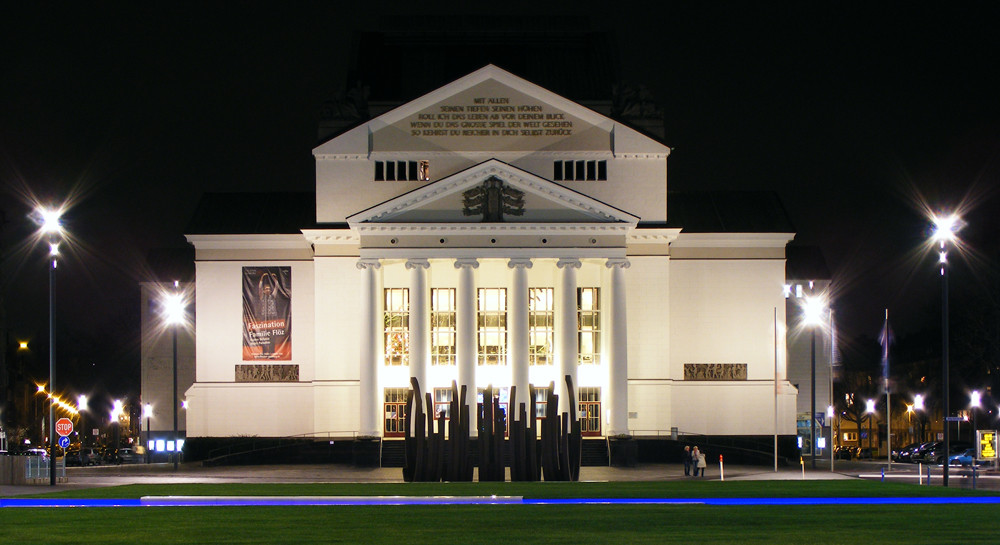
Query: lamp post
51, 228
918, 405
116, 411
945, 228
81, 405
870, 410
173, 309
147, 411
813, 317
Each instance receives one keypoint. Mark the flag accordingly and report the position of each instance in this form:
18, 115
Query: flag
885, 339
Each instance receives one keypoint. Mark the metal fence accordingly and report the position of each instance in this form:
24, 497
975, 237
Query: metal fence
37, 467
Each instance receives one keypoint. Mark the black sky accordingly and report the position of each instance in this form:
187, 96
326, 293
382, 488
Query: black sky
847, 111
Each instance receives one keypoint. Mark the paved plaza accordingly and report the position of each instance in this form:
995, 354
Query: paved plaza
101, 476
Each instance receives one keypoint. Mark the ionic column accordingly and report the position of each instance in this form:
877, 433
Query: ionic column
465, 334
371, 329
567, 351
420, 351
518, 309
618, 349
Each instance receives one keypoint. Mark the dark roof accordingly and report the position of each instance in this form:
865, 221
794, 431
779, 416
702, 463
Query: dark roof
727, 212
169, 264
253, 213
805, 263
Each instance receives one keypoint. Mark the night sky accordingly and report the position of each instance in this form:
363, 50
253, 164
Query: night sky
851, 113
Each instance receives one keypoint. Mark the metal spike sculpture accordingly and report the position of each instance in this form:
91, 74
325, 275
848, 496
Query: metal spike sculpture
431, 455
492, 200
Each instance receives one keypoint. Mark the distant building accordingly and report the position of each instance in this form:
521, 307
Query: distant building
490, 232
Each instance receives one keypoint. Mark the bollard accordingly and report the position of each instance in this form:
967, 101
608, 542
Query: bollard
883, 469
722, 473
803, 464
920, 472
973, 475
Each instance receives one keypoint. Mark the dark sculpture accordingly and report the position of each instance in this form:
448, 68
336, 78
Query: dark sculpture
431, 455
493, 199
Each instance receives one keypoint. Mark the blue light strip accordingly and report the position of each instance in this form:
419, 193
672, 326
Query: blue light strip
256, 501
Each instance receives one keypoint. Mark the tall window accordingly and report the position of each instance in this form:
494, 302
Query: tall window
402, 171
395, 412
443, 326
442, 403
540, 326
541, 401
590, 411
397, 326
492, 323
588, 320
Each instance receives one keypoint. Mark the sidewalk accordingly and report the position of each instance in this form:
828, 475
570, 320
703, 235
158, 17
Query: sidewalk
101, 476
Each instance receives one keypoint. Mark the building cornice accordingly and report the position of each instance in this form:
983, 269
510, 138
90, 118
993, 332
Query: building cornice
732, 240
249, 242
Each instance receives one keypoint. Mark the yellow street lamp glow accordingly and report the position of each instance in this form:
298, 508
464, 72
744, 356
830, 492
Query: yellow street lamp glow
22, 345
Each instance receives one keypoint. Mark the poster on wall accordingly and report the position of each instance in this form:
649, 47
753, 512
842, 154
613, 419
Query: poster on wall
267, 313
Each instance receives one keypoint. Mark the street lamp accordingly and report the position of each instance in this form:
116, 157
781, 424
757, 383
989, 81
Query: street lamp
918, 405
51, 228
81, 405
174, 314
116, 412
975, 401
945, 229
870, 410
147, 411
812, 315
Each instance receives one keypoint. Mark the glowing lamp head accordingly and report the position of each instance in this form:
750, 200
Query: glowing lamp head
918, 402
22, 345
50, 220
870, 406
147, 411
173, 308
81, 402
975, 399
813, 308
116, 410
945, 228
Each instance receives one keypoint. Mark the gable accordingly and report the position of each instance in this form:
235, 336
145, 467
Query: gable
538, 201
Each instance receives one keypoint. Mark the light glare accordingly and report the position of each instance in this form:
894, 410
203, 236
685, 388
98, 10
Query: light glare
945, 228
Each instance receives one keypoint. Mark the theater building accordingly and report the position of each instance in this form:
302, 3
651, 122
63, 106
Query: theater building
491, 232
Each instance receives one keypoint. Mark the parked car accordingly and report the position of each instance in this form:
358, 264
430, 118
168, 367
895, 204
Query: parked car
917, 456
965, 458
864, 453
91, 456
127, 456
74, 458
898, 454
937, 454
844, 453
36, 452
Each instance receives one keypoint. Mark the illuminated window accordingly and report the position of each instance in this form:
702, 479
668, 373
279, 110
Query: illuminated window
395, 412
589, 411
161, 445
397, 326
492, 326
541, 318
588, 325
424, 170
541, 401
443, 326
442, 403
151, 444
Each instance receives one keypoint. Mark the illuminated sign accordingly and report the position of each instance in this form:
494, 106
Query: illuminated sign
987, 444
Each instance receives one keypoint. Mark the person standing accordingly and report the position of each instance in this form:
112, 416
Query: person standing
694, 459
701, 464
687, 460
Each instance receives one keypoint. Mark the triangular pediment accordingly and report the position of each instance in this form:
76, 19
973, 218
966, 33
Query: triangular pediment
535, 201
491, 110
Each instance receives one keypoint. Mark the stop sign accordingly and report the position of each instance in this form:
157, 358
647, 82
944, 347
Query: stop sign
64, 426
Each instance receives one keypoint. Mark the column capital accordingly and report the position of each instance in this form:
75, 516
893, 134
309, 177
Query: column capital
570, 262
621, 262
515, 262
415, 262
467, 262
369, 263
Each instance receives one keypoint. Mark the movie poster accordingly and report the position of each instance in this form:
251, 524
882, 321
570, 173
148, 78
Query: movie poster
267, 313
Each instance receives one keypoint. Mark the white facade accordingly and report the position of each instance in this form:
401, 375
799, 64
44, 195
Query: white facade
633, 300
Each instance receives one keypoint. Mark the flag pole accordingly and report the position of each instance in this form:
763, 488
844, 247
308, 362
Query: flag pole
888, 406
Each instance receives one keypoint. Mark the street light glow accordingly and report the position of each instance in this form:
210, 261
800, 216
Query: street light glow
975, 399
918, 402
147, 411
813, 309
870, 406
50, 220
81, 402
173, 308
945, 228
116, 410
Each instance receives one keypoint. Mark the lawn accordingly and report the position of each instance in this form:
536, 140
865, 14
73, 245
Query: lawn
693, 524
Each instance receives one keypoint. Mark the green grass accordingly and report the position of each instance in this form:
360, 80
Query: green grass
500, 524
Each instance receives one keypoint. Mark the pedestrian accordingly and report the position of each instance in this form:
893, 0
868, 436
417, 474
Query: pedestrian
694, 460
702, 464
687, 460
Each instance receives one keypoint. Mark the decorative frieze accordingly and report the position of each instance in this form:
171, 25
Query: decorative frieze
267, 372
715, 371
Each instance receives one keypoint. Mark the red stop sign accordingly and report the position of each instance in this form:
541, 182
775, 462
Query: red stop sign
64, 426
